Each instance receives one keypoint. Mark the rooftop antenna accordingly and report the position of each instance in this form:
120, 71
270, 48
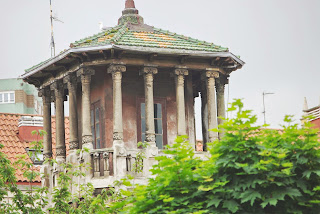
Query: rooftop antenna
264, 106
52, 44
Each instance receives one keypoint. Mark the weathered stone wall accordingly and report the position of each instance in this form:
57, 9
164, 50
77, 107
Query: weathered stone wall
132, 91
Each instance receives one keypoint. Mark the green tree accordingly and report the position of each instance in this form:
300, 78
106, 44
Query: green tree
251, 170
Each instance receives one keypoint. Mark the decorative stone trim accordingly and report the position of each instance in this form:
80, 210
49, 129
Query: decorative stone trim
87, 139
181, 72
47, 155
114, 68
150, 137
149, 70
105, 155
58, 88
96, 155
61, 151
117, 136
73, 145
71, 81
45, 93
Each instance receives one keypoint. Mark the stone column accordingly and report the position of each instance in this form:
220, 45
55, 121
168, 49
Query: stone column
181, 111
148, 73
204, 115
116, 71
221, 101
87, 140
46, 180
119, 157
211, 75
71, 81
152, 150
58, 89
47, 139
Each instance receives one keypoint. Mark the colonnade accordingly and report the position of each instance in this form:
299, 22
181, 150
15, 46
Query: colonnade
212, 99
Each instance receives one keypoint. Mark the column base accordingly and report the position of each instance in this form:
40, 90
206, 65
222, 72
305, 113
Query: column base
61, 159
87, 142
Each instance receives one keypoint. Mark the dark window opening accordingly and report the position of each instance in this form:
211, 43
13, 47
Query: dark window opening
159, 122
96, 124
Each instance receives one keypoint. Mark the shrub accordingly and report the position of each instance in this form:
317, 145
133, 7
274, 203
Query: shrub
251, 170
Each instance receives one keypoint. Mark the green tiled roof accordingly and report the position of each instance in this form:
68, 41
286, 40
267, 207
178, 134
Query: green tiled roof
157, 38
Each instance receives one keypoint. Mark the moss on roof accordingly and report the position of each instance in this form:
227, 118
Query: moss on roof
158, 38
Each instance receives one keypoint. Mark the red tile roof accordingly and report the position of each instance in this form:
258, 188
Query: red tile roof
14, 145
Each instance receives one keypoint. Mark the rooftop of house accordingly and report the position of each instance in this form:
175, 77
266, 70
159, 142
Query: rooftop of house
313, 112
16, 136
132, 32
13, 84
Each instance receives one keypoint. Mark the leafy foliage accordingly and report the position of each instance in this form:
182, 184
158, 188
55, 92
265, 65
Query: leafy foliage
251, 170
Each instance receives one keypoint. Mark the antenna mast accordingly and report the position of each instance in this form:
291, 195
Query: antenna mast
264, 106
52, 44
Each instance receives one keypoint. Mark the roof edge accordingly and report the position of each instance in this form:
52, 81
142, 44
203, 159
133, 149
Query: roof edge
132, 48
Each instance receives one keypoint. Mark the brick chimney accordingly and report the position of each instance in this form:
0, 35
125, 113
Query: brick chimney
26, 125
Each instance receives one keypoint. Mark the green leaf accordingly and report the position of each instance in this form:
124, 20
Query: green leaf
215, 202
291, 192
231, 205
271, 201
249, 195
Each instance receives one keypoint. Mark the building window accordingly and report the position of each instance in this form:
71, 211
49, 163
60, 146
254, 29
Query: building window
36, 157
159, 122
7, 97
96, 124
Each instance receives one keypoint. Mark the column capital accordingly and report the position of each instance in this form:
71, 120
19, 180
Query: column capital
113, 68
149, 69
221, 82
58, 88
85, 71
117, 136
71, 81
45, 93
70, 78
181, 71
211, 73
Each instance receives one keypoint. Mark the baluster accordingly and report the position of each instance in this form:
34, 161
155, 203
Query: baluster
106, 164
96, 164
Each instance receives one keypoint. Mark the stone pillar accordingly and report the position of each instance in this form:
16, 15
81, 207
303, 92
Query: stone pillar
87, 140
58, 89
45, 171
119, 157
148, 73
211, 75
71, 81
152, 150
181, 111
221, 101
47, 139
204, 115
116, 71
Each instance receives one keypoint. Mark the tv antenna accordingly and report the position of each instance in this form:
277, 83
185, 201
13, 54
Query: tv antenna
52, 44
264, 106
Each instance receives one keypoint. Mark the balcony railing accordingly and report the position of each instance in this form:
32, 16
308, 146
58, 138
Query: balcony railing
102, 162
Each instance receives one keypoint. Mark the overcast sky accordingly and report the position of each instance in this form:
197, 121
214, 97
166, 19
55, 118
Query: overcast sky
278, 40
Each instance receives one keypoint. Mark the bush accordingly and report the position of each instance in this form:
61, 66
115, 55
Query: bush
251, 170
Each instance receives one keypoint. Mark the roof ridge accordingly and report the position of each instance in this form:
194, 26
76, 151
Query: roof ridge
120, 33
